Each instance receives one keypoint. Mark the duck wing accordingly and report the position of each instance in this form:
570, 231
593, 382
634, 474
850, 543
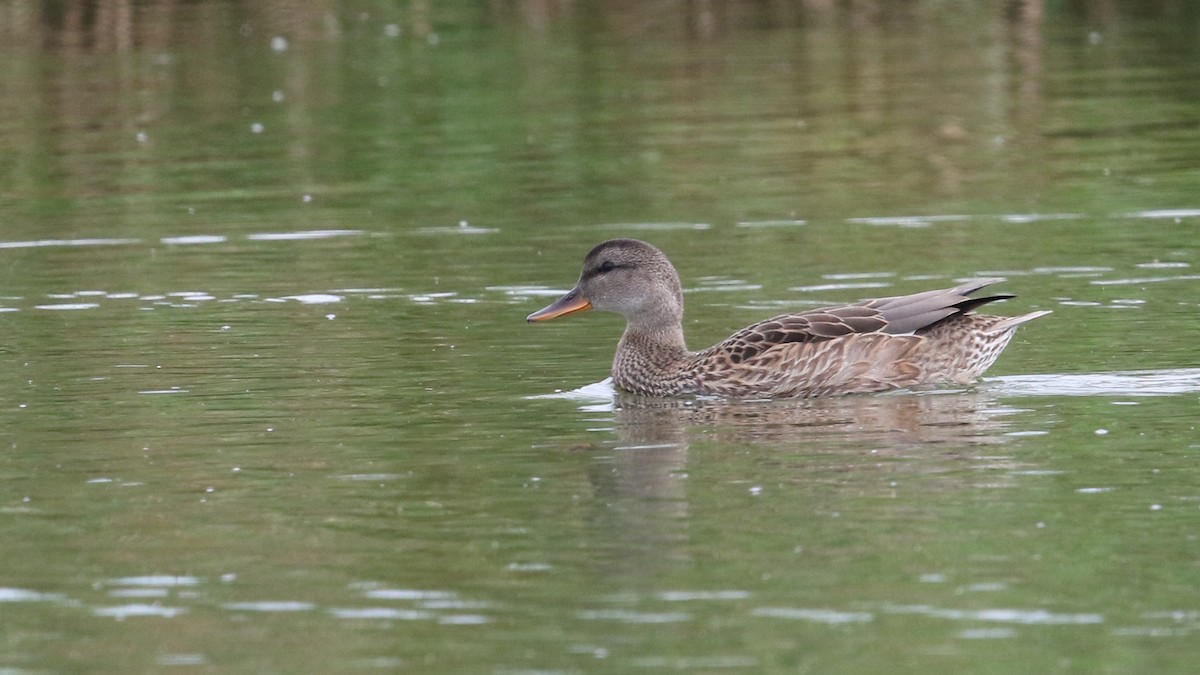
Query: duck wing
897, 315
912, 313
874, 345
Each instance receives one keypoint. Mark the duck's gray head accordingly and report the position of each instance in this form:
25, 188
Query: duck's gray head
626, 276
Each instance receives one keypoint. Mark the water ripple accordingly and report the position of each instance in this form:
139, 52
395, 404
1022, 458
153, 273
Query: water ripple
908, 221
1144, 280
126, 611
1120, 383
156, 580
657, 226
39, 243
1022, 218
67, 306
23, 595
840, 287
771, 223
463, 228
626, 616
379, 613
406, 594
829, 616
195, 239
1019, 616
308, 234
600, 396
313, 298
1161, 213
269, 606
687, 596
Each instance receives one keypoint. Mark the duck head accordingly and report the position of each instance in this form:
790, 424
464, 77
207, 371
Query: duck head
626, 276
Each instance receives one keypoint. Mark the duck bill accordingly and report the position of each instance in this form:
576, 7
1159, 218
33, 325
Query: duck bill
568, 304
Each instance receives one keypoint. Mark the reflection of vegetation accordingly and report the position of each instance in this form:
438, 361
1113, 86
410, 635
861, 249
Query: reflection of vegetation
543, 112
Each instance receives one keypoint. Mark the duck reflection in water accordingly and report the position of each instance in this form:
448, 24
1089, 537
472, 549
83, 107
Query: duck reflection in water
945, 440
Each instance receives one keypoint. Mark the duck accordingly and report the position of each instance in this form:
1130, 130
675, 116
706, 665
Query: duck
908, 341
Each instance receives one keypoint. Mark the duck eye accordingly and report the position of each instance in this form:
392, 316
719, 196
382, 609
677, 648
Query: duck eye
607, 266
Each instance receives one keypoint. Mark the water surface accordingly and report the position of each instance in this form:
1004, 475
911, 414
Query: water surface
270, 403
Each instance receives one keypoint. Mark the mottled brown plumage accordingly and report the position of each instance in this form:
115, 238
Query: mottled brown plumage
888, 343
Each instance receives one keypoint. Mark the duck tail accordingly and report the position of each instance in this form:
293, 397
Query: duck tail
1012, 322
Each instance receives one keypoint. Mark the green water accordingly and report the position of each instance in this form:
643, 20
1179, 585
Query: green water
269, 403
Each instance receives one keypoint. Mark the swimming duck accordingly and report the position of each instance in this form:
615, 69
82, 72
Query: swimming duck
914, 340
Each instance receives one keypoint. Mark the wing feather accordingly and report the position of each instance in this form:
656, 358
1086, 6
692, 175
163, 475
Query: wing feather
898, 315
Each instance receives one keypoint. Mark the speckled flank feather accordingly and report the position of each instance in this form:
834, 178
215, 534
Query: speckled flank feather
887, 343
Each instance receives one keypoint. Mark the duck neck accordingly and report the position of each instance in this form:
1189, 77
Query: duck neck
651, 355
665, 340
651, 362
658, 326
